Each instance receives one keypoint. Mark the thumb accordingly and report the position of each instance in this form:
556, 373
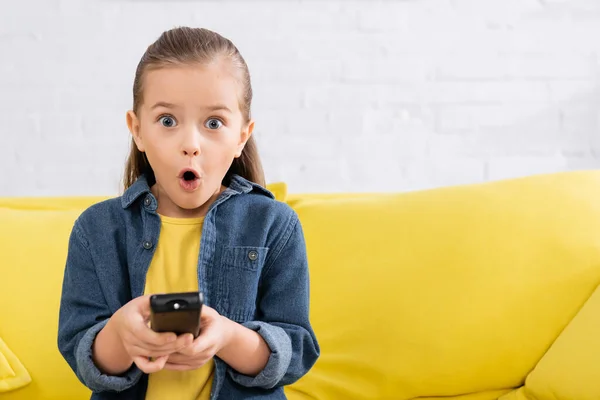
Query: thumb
143, 306
161, 361
148, 366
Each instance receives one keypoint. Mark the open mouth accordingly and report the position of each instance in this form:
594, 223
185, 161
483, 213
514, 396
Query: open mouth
189, 180
189, 176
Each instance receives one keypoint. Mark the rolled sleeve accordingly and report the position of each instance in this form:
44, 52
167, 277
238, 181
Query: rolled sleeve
82, 306
283, 314
278, 363
91, 376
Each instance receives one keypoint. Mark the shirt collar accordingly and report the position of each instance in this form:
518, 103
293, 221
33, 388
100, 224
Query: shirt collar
237, 185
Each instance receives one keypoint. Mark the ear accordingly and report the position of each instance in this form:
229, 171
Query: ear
244, 136
133, 124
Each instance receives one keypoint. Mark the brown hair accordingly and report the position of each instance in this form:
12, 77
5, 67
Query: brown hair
184, 45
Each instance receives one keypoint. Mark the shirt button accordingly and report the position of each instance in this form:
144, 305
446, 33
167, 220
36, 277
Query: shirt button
147, 245
147, 201
253, 255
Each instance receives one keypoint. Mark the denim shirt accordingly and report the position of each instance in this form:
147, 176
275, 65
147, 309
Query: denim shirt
252, 269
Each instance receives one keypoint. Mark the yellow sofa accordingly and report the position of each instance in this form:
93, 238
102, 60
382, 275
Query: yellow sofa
473, 292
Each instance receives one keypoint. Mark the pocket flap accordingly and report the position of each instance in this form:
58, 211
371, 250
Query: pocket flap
246, 257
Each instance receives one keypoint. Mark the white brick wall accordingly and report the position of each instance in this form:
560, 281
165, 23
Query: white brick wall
350, 95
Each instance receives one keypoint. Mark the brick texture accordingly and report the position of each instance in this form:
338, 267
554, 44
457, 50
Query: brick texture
349, 95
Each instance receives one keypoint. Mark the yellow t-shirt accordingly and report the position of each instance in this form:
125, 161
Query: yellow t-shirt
174, 268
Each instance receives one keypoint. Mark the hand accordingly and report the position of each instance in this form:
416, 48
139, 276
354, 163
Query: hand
214, 335
149, 350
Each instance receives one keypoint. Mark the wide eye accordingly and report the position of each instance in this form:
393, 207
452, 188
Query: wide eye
167, 121
213, 123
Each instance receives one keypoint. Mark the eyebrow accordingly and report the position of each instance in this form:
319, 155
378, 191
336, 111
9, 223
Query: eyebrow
216, 107
163, 104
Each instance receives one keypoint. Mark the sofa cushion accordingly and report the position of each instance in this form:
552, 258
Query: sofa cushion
33, 246
446, 292
569, 369
13, 374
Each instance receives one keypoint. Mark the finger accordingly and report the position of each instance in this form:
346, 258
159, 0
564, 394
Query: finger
180, 344
139, 331
203, 343
208, 313
148, 366
179, 358
155, 339
161, 340
207, 310
138, 351
195, 355
143, 306
184, 341
193, 349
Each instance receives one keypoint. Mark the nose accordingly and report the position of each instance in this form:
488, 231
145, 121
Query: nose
189, 151
190, 145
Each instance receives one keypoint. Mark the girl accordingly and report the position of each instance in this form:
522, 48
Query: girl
194, 216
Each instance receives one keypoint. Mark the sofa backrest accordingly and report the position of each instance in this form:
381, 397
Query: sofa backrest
431, 293
447, 291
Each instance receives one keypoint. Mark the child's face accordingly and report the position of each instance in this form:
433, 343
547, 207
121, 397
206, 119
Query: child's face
190, 119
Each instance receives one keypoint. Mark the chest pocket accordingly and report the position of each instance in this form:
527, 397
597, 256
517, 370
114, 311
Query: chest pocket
242, 266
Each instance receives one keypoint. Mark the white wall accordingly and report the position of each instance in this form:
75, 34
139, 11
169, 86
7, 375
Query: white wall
350, 95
